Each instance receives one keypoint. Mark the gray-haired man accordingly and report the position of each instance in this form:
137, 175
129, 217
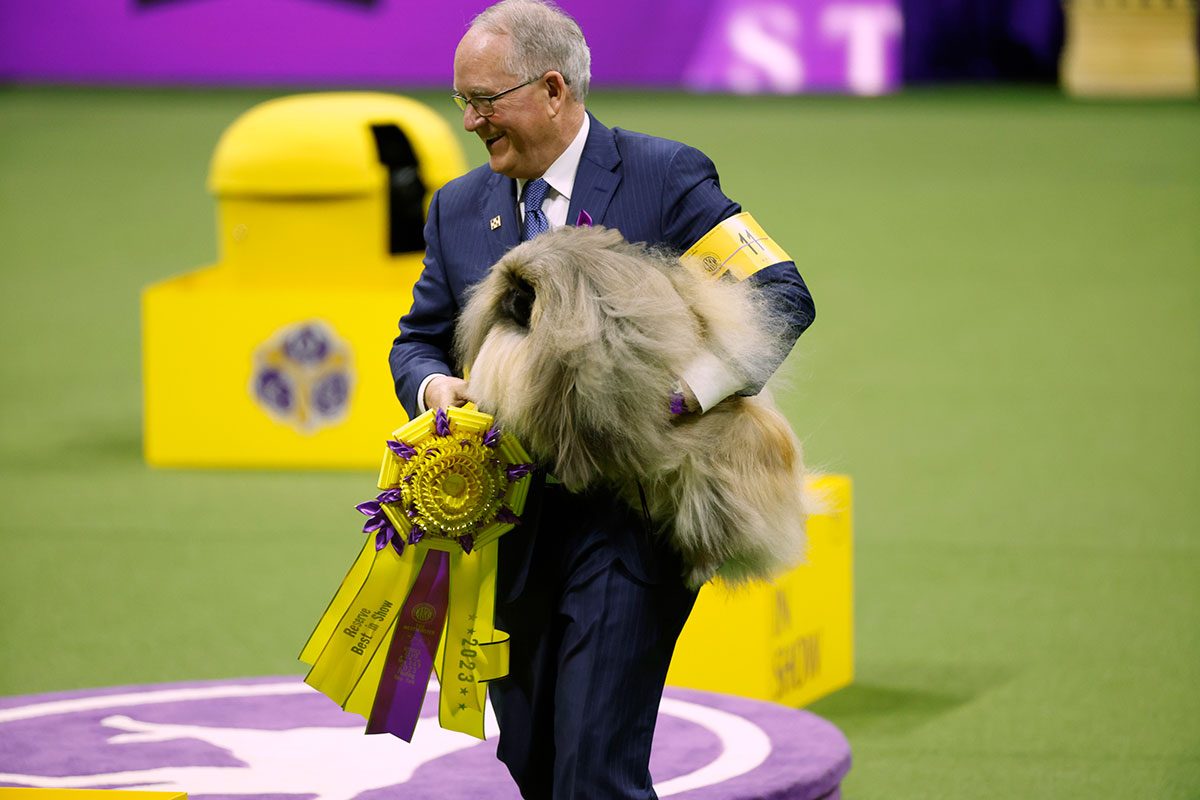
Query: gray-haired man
594, 603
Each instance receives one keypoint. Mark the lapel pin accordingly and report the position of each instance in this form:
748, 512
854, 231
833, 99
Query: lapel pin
495, 223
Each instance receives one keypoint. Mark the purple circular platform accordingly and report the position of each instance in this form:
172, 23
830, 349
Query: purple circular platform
276, 738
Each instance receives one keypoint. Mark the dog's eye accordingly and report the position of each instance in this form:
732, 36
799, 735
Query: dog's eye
518, 302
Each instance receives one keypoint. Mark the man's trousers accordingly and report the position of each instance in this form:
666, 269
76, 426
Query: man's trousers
590, 648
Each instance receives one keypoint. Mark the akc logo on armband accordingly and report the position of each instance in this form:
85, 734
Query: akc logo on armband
303, 376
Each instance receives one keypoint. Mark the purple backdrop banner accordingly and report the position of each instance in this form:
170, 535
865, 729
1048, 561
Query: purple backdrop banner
783, 46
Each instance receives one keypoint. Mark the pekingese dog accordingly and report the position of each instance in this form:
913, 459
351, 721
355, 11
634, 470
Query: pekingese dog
574, 343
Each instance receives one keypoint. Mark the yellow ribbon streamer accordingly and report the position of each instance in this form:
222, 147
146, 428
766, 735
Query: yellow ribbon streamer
358, 635
472, 651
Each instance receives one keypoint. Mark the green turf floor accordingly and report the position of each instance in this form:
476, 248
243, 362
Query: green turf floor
1006, 359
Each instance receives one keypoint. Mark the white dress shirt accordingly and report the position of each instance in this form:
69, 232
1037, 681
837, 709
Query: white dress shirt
560, 176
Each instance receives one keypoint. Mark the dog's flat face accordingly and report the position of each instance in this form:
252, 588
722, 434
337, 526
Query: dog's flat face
516, 304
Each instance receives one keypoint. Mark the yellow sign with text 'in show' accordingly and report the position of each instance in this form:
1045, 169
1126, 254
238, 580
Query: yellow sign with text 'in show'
790, 641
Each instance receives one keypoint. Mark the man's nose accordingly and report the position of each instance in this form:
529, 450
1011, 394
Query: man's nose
471, 119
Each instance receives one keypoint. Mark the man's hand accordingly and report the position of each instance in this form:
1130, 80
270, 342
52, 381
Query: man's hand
445, 391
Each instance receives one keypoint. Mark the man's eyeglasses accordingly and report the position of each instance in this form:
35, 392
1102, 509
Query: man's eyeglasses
483, 105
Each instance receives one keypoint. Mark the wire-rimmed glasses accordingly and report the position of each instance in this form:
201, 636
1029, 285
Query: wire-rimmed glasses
484, 104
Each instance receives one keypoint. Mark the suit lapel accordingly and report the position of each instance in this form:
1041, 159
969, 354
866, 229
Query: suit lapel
596, 179
499, 201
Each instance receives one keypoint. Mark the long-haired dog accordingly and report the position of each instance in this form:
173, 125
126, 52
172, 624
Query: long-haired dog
575, 340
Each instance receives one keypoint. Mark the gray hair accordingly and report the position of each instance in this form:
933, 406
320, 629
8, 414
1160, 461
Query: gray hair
544, 38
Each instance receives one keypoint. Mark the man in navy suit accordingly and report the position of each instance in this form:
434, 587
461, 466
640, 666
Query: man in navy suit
593, 602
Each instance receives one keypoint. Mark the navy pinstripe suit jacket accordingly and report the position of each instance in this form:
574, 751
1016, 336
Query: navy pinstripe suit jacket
650, 189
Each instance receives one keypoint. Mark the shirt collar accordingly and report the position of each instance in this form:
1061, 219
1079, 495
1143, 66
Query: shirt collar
561, 174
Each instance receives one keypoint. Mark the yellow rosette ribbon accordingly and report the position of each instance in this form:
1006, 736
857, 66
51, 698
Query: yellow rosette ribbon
421, 594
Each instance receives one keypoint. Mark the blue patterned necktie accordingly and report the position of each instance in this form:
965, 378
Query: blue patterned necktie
535, 219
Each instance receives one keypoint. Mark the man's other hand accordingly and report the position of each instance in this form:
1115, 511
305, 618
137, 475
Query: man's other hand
445, 391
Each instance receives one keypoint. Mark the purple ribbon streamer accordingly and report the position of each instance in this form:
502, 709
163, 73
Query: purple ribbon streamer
410, 655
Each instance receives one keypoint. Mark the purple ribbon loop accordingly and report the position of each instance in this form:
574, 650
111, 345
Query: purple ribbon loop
441, 423
388, 536
584, 220
402, 449
379, 524
492, 437
417, 631
678, 406
514, 472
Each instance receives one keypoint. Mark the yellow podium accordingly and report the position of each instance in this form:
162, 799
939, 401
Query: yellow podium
1128, 49
790, 642
276, 356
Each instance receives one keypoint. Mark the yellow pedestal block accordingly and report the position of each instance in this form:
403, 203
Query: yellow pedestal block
209, 343
86, 794
277, 355
790, 642
1128, 49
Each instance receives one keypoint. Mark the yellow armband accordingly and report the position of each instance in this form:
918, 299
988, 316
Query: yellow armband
738, 246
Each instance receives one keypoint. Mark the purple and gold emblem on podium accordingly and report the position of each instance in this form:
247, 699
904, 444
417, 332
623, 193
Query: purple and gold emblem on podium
303, 376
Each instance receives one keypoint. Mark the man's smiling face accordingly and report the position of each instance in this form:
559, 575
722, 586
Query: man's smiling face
521, 136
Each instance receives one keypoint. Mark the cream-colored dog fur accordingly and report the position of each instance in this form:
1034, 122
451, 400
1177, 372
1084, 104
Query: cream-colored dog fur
575, 340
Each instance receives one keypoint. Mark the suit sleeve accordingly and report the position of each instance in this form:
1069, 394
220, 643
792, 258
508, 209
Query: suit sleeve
692, 205
427, 330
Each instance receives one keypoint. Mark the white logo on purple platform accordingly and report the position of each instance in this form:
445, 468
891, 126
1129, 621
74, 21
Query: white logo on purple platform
303, 376
275, 737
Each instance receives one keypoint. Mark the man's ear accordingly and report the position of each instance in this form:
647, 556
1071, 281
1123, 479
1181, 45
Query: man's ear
556, 90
